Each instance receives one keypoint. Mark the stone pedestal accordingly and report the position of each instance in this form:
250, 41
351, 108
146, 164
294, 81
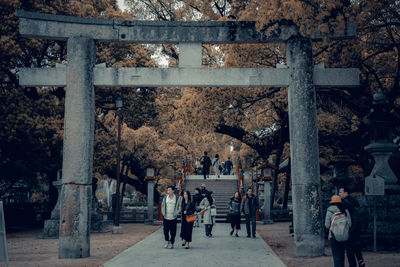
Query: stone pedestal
304, 152
150, 202
98, 224
381, 151
76, 192
52, 225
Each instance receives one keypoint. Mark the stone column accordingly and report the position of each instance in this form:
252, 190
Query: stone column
267, 203
304, 152
76, 192
150, 201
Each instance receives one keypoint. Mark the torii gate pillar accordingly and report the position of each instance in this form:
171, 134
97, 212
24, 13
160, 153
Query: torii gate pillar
76, 192
304, 152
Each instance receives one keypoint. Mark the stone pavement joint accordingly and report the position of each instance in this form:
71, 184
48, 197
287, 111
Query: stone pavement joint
221, 250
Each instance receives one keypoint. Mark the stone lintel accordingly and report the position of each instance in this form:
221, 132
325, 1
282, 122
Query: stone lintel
51, 26
199, 77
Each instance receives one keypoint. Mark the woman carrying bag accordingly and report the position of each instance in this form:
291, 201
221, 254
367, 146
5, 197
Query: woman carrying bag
205, 205
187, 208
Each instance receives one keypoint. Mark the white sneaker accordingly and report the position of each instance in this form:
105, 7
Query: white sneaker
167, 244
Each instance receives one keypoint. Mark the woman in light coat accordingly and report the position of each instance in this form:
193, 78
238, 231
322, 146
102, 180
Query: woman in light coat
216, 163
205, 205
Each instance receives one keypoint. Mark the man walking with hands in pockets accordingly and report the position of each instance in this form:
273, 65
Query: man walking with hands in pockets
170, 209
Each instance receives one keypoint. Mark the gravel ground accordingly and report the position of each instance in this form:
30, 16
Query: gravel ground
278, 238
26, 249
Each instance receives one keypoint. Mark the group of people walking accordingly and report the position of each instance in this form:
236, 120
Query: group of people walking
202, 204
343, 221
218, 166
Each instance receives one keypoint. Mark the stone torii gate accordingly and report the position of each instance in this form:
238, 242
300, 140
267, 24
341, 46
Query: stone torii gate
81, 75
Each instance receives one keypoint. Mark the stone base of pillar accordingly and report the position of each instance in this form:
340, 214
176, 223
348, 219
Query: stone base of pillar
98, 224
116, 230
51, 228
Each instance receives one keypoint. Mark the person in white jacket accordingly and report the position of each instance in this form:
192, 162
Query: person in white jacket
216, 163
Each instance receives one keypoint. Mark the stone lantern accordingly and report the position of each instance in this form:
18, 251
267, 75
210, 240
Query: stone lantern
380, 123
150, 177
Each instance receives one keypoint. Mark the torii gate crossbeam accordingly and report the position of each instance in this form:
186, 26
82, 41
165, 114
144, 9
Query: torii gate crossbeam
80, 76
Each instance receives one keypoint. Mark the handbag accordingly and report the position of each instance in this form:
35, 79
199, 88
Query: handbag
213, 211
190, 218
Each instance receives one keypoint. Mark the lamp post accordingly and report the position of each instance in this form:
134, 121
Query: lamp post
117, 229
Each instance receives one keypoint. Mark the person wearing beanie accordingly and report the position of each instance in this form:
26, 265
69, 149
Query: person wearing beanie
338, 247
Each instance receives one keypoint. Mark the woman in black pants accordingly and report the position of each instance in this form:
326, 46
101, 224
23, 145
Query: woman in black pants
234, 210
188, 207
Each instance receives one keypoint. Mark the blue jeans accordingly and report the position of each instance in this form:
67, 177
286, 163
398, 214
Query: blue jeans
253, 224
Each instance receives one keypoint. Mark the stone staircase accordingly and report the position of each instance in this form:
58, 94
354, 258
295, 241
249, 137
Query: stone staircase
223, 188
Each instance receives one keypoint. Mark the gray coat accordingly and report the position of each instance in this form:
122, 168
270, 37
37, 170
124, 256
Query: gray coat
177, 206
330, 212
244, 206
207, 218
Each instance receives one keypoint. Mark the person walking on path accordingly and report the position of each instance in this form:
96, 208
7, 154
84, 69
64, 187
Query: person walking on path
197, 199
228, 166
234, 210
170, 209
206, 164
205, 206
248, 208
187, 208
353, 250
213, 211
338, 247
217, 165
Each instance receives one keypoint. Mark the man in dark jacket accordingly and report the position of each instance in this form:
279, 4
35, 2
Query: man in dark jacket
352, 249
206, 164
249, 208
197, 198
203, 192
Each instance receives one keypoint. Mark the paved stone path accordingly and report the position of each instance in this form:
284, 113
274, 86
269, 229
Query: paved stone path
221, 250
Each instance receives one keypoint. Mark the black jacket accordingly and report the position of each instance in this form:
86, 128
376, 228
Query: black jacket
189, 207
197, 198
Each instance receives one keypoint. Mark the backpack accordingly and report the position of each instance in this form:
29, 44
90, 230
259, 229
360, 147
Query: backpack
340, 227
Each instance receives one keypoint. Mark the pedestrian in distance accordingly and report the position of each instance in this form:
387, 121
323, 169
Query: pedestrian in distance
358, 215
170, 210
228, 166
234, 213
197, 199
337, 220
213, 211
206, 164
187, 208
203, 191
205, 205
216, 163
248, 208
